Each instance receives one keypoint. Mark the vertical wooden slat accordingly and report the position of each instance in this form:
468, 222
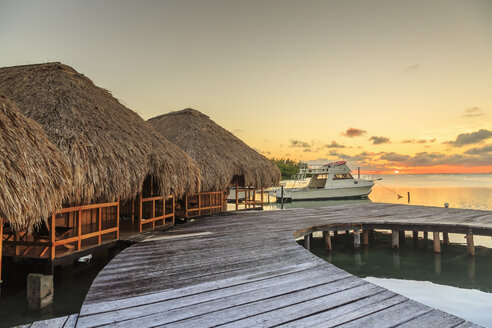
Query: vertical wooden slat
210, 203
100, 226
52, 236
261, 190
174, 213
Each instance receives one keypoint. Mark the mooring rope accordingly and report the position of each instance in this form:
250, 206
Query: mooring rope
396, 193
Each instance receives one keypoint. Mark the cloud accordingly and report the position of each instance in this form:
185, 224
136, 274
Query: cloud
394, 157
379, 140
334, 144
473, 112
299, 143
412, 68
470, 138
418, 141
433, 159
306, 150
353, 132
482, 150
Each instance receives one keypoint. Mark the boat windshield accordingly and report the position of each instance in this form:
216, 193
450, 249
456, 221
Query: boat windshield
342, 176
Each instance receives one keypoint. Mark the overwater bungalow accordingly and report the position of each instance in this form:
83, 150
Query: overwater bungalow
121, 167
223, 159
34, 178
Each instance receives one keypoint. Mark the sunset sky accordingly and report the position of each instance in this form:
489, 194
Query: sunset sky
385, 85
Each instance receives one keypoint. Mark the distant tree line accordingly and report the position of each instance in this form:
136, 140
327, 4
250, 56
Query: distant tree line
287, 167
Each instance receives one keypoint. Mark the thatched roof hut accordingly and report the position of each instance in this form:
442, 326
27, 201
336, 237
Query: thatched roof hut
220, 155
111, 150
34, 177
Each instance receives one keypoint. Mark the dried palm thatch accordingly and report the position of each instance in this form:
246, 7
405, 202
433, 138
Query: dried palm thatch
34, 177
110, 149
219, 154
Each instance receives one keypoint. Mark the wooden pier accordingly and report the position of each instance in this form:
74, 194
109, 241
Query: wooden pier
247, 270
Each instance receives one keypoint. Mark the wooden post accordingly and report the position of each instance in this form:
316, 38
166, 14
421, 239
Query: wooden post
415, 235
437, 242
1, 241
210, 202
357, 239
401, 233
307, 242
445, 238
79, 230
100, 225
174, 212
327, 239
118, 219
470, 244
186, 207
408, 194
140, 213
133, 213
237, 194
153, 214
335, 233
365, 237
261, 190
437, 263
395, 241
52, 236
282, 196
426, 235
199, 204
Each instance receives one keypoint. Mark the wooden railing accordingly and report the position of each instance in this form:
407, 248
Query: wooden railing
204, 203
69, 229
156, 212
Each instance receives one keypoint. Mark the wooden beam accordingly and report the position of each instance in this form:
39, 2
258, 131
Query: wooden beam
437, 242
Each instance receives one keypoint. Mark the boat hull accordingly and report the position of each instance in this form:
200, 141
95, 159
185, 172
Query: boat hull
333, 193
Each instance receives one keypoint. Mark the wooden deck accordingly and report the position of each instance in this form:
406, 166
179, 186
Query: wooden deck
246, 270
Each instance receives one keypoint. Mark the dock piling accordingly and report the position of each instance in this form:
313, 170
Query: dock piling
327, 239
395, 240
445, 238
470, 244
307, 242
365, 237
437, 242
357, 239
415, 235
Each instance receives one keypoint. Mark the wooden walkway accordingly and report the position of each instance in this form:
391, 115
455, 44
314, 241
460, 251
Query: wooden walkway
246, 270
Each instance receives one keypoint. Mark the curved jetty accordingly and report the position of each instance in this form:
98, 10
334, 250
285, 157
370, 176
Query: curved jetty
245, 269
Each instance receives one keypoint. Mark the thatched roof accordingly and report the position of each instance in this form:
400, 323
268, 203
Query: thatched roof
110, 149
34, 177
219, 154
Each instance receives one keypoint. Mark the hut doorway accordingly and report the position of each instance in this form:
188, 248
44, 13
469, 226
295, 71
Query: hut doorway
246, 196
149, 210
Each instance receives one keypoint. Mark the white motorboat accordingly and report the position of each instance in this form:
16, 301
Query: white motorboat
329, 181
